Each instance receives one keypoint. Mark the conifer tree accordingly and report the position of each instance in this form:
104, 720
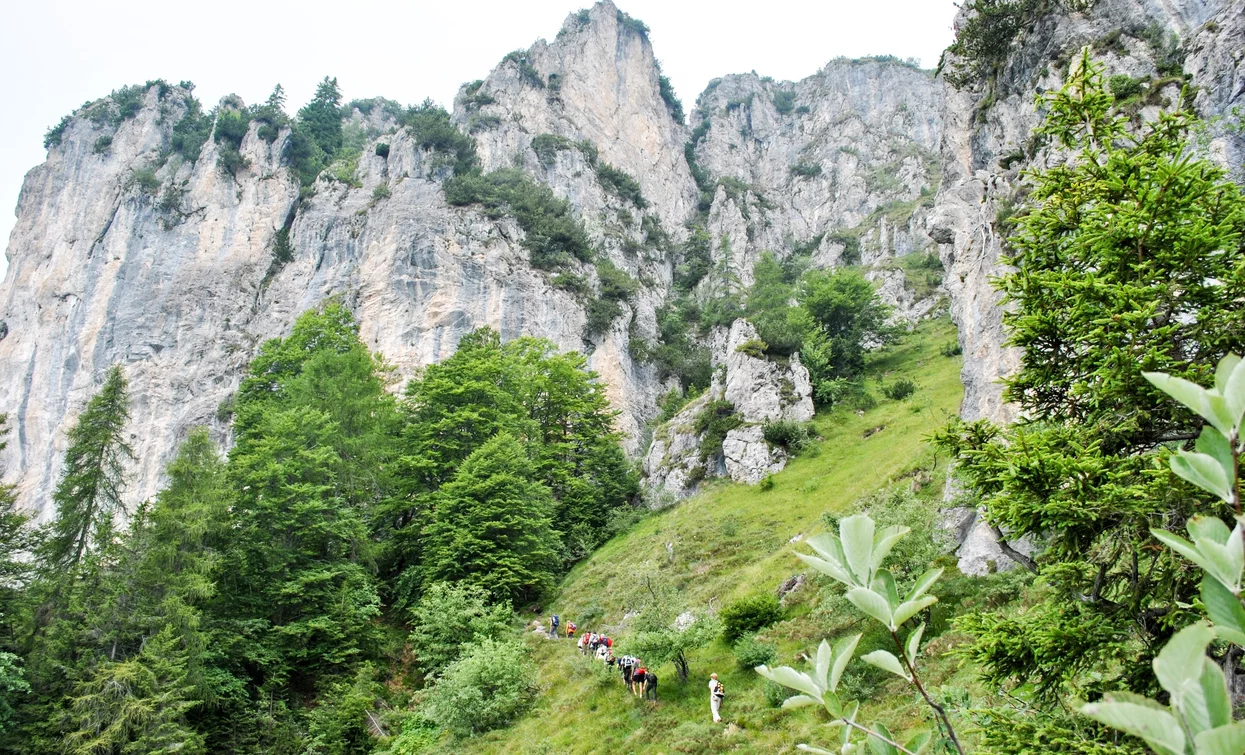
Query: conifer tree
492, 525
322, 118
89, 493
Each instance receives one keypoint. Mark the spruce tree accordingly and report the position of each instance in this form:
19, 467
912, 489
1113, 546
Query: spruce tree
89, 494
1129, 261
322, 119
492, 525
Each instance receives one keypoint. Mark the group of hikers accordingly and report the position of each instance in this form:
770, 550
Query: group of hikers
641, 681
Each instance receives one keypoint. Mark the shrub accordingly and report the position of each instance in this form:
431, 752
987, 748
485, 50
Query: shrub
1124, 87
784, 102
282, 249
230, 160
547, 147
751, 652
145, 179
621, 184
789, 434
715, 420
380, 192
527, 72
632, 24
489, 686
754, 348
951, 349
899, 390
190, 133
552, 235
672, 403
382, 150
851, 247
673, 104
806, 170
748, 616
449, 616
983, 40
766, 484
431, 129
697, 259
102, 144
616, 284
601, 314
54, 135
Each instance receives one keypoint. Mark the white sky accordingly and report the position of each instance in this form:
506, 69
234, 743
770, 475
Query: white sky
57, 54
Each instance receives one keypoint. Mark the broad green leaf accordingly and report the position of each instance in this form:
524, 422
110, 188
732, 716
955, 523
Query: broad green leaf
833, 705
872, 604
877, 746
884, 541
828, 546
800, 701
1224, 610
911, 608
1211, 707
1178, 665
926, 581
1234, 392
1213, 443
1191, 552
789, 677
887, 662
1223, 372
856, 532
914, 643
919, 742
821, 669
1190, 394
843, 651
1203, 471
1158, 728
1223, 740
1209, 528
884, 585
829, 568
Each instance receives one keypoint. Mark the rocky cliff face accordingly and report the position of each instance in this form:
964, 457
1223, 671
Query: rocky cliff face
987, 142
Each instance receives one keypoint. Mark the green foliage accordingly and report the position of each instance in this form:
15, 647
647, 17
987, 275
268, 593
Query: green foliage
717, 418
380, 192
788, 434
748, 616
847, 314
621, 184
321, 119
102, 145
552, 235
282, 249
527, 72
754, 348
784, 102
779, 324
633, 25
806, 170
448, 617
1124, 87
192, 130
489, 686
751, 652
1147, 237
899, 390
951, 349
983, 40
673, 103
696, 260
55, 134
382, 150
88, 495
339, 724
431, 129
547, 147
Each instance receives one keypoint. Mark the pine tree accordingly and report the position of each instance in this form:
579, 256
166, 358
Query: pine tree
492, 525
89, 493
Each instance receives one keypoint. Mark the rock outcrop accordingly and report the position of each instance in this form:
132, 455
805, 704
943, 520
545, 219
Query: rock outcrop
758, 391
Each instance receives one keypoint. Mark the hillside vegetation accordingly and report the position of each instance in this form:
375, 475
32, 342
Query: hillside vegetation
726, 543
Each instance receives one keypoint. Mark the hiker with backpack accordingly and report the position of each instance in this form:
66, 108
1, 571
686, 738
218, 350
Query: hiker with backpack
650, 686
716, 693
553, 626
637, 680
570, 629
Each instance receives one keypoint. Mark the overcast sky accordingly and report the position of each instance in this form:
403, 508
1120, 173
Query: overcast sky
57, 54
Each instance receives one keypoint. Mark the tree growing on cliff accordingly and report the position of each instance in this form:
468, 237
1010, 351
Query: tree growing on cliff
89, 493
1129, 261
322, 117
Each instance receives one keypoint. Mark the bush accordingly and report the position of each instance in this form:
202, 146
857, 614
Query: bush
145, 179
547, 147
489, 686
616, 284
673, 104
715, 420
54, 135
552, 235
527, 72
601, 315
754, 348
230, 160
102, 144
789, 434
380, 192
282, 249
766, 484
951, 349
748, 616
751, 652
449, 616
621, 184
672, 403
984, 39
382, 150
899, 390
784, 101
431, 129
1124, 87
806, 170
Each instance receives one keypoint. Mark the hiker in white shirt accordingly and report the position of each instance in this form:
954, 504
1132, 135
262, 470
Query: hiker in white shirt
716, 693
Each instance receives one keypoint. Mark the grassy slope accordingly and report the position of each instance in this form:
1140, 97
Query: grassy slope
730, 541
